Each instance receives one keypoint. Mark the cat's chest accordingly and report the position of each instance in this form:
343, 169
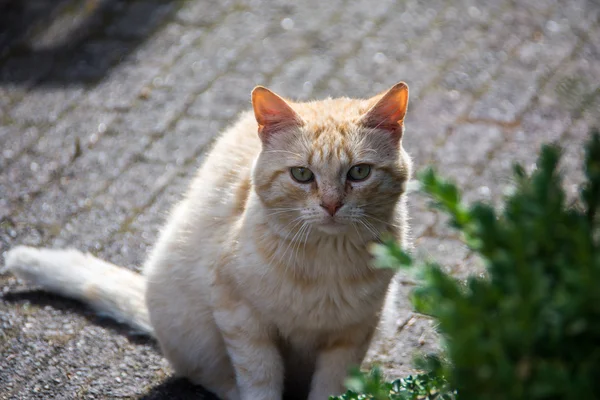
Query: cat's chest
292, 301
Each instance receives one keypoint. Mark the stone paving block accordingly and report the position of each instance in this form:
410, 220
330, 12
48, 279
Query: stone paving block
415, 60
87, 230
469, 146
354, 15
122, 88
429, 122
477, 64
295, 17
263, 58
71, 136
198, 13
139, 19
111, 208
223, 100
93, 60
507, 97
135, 187
203, 62
522, 77
42, 333
84, 178
151, 219
155, 112
168, 44
15, 139
46, 106
130, 247
299, 76
24, 177
238, 30
184, 141
25, 70
86, 354
126, 373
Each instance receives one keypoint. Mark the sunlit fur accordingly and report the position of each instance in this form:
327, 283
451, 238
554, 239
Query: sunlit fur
252, 283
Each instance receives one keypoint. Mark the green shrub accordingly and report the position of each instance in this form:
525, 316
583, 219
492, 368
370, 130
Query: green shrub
529, 329
372, 386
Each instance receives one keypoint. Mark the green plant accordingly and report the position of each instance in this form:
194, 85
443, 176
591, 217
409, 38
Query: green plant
372, 386
529, 329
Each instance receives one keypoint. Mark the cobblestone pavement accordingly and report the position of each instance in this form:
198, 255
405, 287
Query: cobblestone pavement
106, 108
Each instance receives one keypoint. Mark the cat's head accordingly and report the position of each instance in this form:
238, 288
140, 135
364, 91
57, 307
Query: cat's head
335, 165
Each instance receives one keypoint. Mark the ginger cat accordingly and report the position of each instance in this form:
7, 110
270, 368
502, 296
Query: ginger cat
262, 273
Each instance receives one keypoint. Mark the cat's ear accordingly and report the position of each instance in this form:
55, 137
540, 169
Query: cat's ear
272, 113
389, 110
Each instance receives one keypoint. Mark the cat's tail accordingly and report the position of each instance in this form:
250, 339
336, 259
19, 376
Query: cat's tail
113, 291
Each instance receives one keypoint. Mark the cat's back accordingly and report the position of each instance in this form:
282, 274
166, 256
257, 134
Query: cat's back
222, 184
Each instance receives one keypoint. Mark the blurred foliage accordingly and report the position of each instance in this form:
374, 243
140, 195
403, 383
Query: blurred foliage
372, 386
529, 329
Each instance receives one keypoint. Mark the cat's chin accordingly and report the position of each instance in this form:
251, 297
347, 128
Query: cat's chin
332, 228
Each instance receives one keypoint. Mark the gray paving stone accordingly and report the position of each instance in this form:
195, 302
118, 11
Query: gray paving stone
168, 44
94, 59
299, 76
430, 121
122, 88
15, 139
469, 145
140, 182
220, 102
46, 106
520, 79
198, 13
155, 112
139, 19
184, 141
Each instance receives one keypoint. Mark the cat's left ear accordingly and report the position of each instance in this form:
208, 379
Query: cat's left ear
272, 113
389, 111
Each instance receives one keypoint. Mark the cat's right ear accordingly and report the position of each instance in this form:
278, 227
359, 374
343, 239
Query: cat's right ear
272, 113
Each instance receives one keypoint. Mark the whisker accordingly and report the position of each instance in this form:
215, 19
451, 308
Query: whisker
369, 227
382, 221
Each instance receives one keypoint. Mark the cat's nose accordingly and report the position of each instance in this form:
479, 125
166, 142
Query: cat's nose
332, 206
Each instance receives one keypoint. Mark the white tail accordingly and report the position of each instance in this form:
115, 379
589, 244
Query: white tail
113, 291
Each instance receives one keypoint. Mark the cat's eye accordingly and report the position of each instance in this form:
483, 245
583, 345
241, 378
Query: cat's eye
359, 172
302, 175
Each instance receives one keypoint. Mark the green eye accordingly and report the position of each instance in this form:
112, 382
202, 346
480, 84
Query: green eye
359, 172
302, 175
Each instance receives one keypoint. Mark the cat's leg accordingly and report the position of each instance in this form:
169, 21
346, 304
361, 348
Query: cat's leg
340, 352
202, 358
253, 352
187, 333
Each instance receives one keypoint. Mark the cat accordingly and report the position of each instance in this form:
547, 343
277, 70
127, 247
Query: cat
262, 277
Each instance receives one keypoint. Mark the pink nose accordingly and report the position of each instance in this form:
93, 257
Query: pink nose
332, 206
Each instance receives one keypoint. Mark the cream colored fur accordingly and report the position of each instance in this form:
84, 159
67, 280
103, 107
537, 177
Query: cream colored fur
252, 284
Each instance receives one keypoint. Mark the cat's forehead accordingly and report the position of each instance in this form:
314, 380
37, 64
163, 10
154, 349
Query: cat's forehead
331, 116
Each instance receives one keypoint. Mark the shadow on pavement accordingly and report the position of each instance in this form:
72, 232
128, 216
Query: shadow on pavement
178, 389
72, 42
43, 299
